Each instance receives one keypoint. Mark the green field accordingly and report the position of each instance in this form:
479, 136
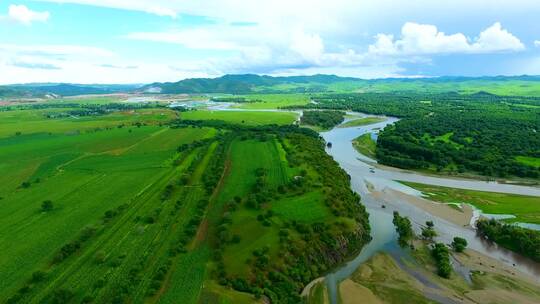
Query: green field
118, 170
243, 117
104, 203
525, 208
274, 101
362, 122
35, 121
531, 161
365, 145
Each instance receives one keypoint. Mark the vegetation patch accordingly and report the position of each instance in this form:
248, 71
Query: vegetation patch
530, 161
518, 239
525, 208
362, 122
322, 119
239, 117
365, 145
305, 208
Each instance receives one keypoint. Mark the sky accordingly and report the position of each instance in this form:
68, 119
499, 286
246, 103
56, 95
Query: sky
144, 41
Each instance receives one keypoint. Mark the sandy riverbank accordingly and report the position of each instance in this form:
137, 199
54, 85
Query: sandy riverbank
459, 217
383, 280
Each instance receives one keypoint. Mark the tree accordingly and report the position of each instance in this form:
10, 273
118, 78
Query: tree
459, 244
403, 228
428, 233
47, 206
442, 258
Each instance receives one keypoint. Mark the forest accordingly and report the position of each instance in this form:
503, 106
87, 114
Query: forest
481, 133
323, 119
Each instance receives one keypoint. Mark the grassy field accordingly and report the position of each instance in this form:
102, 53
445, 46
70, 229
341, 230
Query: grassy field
531, 161
362, 122
243, 117
365, 145
122, 171
36, 121
305, 208
525, 208
246, 157
132, 206
274, 101
470, 86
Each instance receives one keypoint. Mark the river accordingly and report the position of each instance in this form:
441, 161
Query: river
359, 167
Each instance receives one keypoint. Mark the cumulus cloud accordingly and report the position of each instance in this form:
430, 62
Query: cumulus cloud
496, 39
24, 15
537, 43
426, 39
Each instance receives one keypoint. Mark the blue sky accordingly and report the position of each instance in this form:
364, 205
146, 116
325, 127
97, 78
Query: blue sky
142, 41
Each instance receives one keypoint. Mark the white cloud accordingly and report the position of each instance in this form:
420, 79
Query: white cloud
309, 46
537, 43
496, 39
425, 39
24, 15
271, 49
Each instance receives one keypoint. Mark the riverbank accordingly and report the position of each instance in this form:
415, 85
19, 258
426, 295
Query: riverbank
387, 279
461, 217
465, 176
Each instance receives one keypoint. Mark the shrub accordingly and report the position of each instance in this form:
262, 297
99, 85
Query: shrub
47, 206
38, 276
459, 244
442, 258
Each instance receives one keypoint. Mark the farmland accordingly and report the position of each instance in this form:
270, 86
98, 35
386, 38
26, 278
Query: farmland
242, 117
146, 205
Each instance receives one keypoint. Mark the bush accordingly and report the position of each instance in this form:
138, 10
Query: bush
442, 258
38, 276
47, 206
62, 296
428, 233
459, 244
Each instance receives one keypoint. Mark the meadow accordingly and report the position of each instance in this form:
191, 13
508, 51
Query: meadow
365, 145
274, 101
242, 117
362, 122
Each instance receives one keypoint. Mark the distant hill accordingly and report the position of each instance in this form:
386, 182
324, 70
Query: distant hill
251, 83
41, 90
247, 83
